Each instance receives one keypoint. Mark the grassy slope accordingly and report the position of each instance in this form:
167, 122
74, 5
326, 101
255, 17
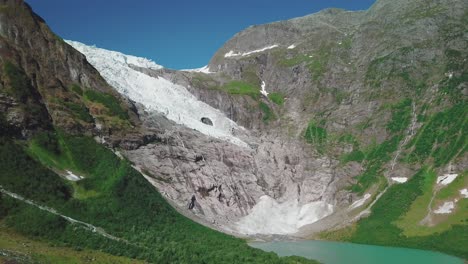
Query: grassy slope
123, 204
395, 217
20, 247
380, 227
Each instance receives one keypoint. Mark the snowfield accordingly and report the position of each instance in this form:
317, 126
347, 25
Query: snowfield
446, 208
400, 179
234, 54
204, 69
464, 192
158, 94
270, 217
446, 179
73, 177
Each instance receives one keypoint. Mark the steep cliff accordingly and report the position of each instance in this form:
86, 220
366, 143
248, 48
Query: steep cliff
45, 82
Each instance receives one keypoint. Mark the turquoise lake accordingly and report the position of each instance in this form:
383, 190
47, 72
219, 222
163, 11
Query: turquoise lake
342, 253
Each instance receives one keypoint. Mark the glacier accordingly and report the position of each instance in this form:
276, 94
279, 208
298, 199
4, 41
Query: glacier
158, 94
270, 217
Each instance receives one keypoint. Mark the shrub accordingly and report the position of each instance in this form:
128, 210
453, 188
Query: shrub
276, 98
109, 101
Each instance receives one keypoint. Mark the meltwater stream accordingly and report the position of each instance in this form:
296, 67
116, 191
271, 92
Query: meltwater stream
343, 253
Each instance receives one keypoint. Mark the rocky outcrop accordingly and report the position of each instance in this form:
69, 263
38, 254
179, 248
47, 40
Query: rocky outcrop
38, 74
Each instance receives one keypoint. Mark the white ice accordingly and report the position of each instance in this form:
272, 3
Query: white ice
400, 179
446, 178
270, 217
263, 91
464, 192
73, 177
204, 69
446, 208
292, 46
159, 94
360, 202
234, 54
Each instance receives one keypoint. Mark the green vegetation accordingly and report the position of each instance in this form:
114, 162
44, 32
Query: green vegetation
355, 155
76, 89
401, 116
20, 87
26, 250
442, 137
409, 222
79, 111
268, 115
373, 159
316, 63
109, 101
378, 154
453, 188
315, 134
277, 98
242, 88
124, 204
380, 228
23, 175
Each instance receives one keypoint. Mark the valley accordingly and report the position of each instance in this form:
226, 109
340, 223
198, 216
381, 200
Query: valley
345, 126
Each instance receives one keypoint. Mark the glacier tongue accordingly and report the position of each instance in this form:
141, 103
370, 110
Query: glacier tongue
270, 217
158, 94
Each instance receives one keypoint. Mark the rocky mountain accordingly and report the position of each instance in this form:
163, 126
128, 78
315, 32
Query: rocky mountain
46, 83
331, 109
64, 197
339, 125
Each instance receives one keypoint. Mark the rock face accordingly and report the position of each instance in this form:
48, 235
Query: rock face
45, 82
328, 106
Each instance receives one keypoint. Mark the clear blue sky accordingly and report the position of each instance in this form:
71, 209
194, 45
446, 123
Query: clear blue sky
177, 34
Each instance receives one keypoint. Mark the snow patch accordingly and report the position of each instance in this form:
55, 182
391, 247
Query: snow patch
400, 179
204, 69
270, 217
263, 91
360, 202
73, 177
464, 192
234, 54
446, 179
292, 46
446, 208
158, 94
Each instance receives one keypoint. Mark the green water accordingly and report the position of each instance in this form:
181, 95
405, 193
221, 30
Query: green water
342, 253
